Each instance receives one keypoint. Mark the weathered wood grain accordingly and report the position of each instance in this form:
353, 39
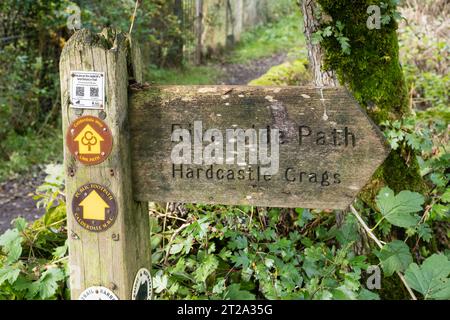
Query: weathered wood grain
153, 111
110, 258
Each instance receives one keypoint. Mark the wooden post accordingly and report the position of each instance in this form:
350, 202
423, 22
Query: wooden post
110, 258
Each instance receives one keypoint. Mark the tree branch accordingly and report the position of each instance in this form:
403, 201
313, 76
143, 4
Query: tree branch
380, 245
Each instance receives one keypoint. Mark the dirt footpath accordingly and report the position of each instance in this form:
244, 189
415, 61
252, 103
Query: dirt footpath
241, 74
16, 198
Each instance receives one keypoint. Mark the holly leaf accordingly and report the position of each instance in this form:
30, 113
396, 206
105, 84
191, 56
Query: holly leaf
395, 256
431, 278
398, 209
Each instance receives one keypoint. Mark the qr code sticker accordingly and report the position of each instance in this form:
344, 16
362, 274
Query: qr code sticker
79, 91
94, 91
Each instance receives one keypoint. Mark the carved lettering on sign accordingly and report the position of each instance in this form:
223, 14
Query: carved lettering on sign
277, 146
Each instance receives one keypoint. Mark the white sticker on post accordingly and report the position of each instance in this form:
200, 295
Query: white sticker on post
87, 90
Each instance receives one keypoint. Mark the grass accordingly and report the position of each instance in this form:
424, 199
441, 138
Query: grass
26, 151
284, 35
188, 75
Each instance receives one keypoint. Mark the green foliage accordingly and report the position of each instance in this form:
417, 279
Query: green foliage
23, 151
431, 279
245, 253
429, 139
337, 31
33, 257
426, 58
270, 39
33, 33
395, 256
367, 61
278, 10
398, 209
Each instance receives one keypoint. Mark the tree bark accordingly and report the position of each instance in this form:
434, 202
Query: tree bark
321, 76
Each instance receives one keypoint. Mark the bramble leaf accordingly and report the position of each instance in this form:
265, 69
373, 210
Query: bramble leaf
9, 273
234, 292
446, 196
61, 251
48, 283
11, 241
395, 256
398, 209
431, 278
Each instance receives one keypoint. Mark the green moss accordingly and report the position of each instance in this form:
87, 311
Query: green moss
288, 73
372, 69
373, 73
398, 174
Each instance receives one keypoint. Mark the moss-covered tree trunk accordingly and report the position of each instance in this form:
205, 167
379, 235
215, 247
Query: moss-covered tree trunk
370, 69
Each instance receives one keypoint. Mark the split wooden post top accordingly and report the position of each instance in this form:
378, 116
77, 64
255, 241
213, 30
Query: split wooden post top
109, 236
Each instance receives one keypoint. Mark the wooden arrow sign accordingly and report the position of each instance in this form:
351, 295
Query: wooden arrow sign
325, 148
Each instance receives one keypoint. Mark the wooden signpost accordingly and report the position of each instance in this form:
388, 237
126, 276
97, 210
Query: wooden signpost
328, 147
263, 146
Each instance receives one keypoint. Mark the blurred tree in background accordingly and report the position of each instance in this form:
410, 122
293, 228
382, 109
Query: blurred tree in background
32, 35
